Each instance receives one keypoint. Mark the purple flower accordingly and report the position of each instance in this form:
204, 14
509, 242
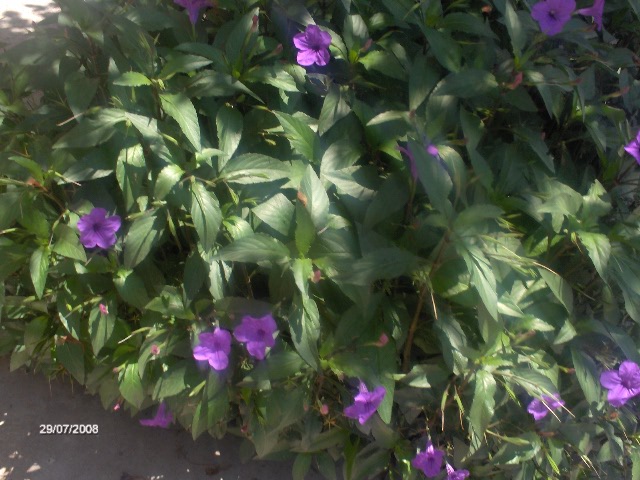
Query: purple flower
623, 384
214, 348
429, 461
594, 11
162, 419
453, 474
313, 44
540, 408
633, 147
257, 333
365, 403
193, 7
553, 14
96, 229
431, 150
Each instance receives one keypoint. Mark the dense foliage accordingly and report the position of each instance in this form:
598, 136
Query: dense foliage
390, 232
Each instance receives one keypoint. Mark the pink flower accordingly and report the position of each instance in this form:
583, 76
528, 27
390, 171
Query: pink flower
214, 348
365, 403
324, 409
155, 350
429, 461
162, 419
594, 11
382, 341
103, 309
313, 44
257, 333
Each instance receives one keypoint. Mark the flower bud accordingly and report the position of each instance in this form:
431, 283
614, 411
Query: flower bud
382, 341
103, 309
155, 350
324, 409
366, 46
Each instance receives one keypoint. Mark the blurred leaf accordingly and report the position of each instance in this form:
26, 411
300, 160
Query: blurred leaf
144, 234
423, 78
206, 215
303, 140
80, 91
467, 84
181, 63
588, 375
482, 408
71, 356
131, 385
195, 273
101, 326
514, 454
390, 198
304, 322
131, 288
67, 243
254, 168
382, 263
516, 30
92, 131
39, 268
179, 107
255, 248
229, 124
132, 79
305, 232
559, 286
334, 108
599, 249
277, 212
314, 198
445, 49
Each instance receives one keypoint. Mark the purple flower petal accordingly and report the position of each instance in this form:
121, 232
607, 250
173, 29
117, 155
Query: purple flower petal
313, 46
365, 403
623, 384
453, 474
257, 333
214, 348
162, 419
594, 11
552, 15
193, 8
539, 408
429, 461
96, 229
633, 148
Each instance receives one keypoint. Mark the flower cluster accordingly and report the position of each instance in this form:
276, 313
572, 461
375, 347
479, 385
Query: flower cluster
257, 333
552, 15
622, 384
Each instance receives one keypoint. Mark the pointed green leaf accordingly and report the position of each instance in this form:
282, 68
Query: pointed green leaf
206, 215
39, 268
179, 107
255, 248
144, 234
303, 140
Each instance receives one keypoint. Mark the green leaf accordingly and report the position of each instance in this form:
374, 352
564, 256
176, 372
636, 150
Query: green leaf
446, 50
167, 179
433, 177
305, 232
80, 91
304, 322
482, 277
101, 326
533, 382
277, 212
254, 168
131, 288
390, 198
274, 75
39, 268
301, 466
315, 198
559, 286
599, 249
255, 248
71, 356
215, 84
453, 342
587, 375
303, 140
181, 63
132, 79
144, 234
423, 78
355, 32
131, 385
517, 32
512, 453
381, 263
195, 273
179, 107
482, 408
131, 172
67, 243
206, 215
229, 123
467, 84
239, 37
92, 131
334, 108
178, 378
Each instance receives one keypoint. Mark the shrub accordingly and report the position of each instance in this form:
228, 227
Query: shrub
396, 233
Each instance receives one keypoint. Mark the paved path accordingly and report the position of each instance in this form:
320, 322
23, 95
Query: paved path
17, 16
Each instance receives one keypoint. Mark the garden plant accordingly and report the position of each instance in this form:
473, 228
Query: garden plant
388, 239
